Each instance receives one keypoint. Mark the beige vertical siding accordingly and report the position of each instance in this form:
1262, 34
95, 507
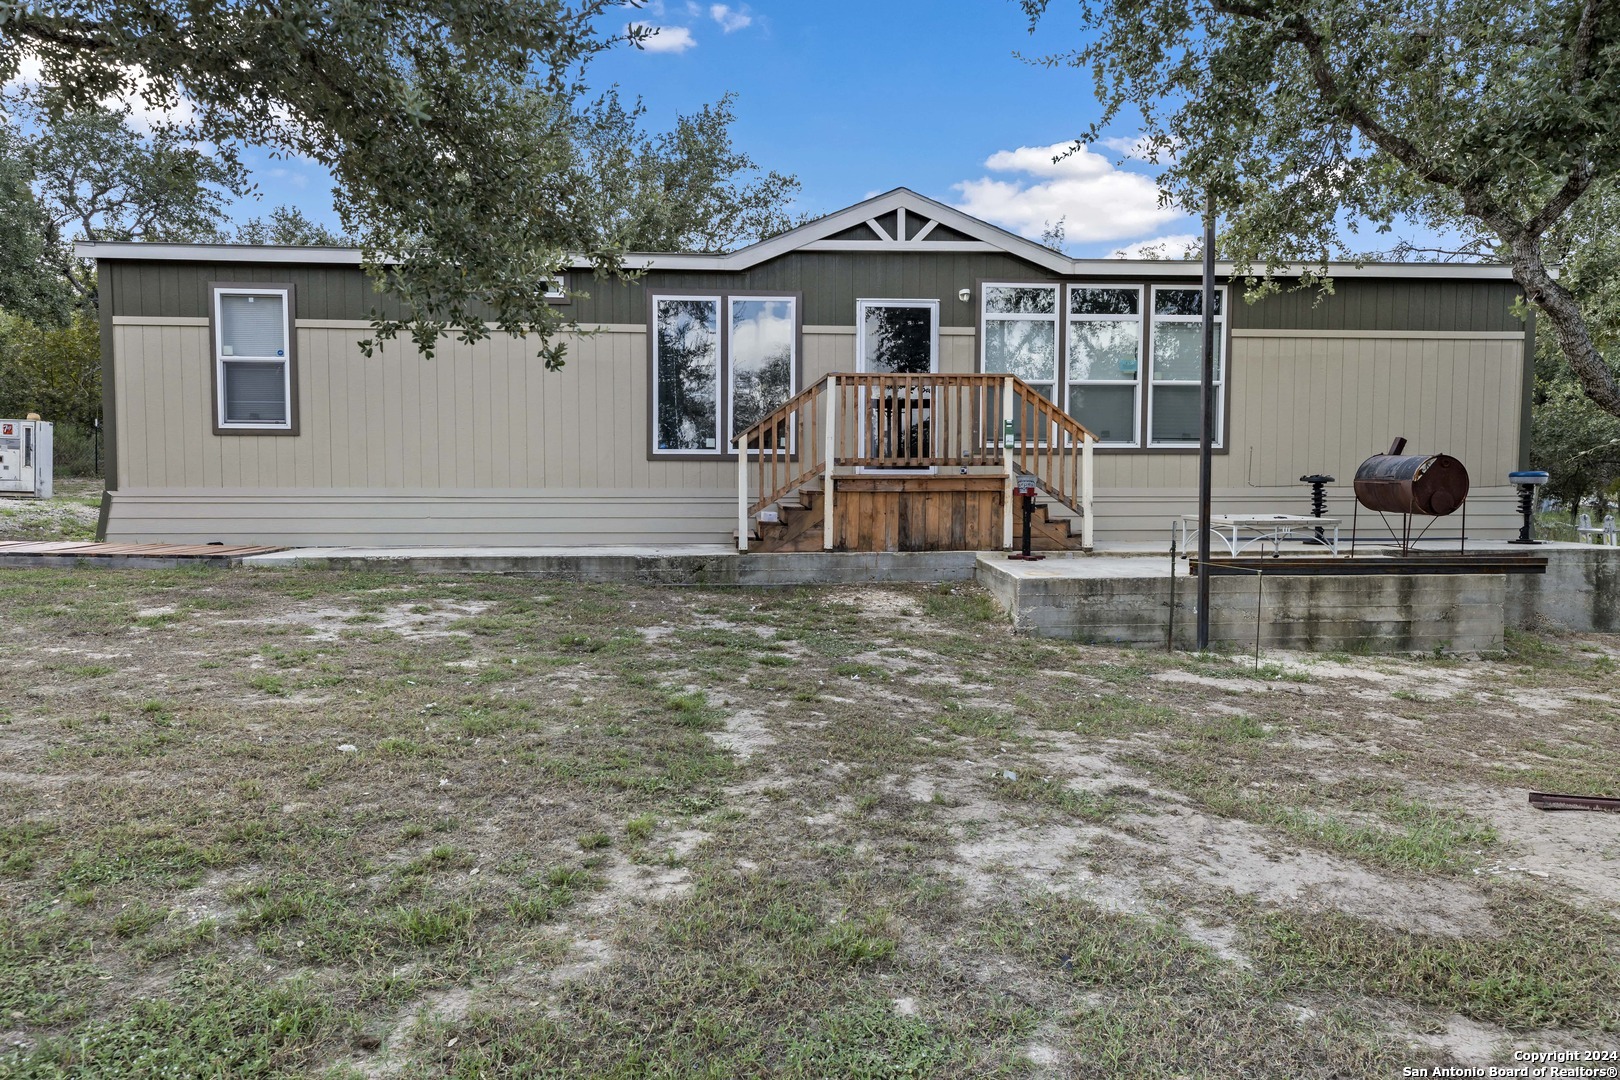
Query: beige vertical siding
1314, 402
476, 417
482, 445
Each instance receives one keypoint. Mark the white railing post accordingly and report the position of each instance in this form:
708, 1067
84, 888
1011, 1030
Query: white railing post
742, 495
827, 462
1009, 430
1087, 533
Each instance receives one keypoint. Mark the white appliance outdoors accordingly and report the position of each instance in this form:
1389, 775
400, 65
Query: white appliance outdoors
25, 458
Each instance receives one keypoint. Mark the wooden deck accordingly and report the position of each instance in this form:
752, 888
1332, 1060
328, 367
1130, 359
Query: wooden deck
52, 553
908, 513
912, 462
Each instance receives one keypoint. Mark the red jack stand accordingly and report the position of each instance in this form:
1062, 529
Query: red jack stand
1026, 491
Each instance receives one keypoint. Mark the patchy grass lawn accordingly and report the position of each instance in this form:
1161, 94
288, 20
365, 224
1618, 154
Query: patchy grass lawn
275, 823
70, 515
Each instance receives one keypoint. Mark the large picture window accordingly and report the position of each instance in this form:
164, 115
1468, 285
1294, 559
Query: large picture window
253, 359
1105, 360
720, 364
686, 373
1174, 413
763, 334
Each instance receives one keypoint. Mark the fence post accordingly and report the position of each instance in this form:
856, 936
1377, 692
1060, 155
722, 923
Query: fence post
1087, 474
742, 494
829, 459
1010, 468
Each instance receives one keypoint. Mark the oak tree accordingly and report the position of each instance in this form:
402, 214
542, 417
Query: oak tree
437, 119
1493, 121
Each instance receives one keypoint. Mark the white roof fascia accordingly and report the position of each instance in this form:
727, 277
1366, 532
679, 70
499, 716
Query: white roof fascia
253, 253
813, 236
1096, 268
1193, 268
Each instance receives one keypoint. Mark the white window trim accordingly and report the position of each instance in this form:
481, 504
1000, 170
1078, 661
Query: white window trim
1219, 441
720, 414
220, 360
1055, 318
1069, 382
731, 361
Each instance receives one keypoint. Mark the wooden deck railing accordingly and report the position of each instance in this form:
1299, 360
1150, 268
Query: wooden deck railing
783, 451
1051, 446
857, 420
914, 421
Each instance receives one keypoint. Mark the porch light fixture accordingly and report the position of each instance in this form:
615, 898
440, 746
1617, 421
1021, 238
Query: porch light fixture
965, 295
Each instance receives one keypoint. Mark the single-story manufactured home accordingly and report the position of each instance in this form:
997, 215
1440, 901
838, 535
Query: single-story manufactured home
889, 371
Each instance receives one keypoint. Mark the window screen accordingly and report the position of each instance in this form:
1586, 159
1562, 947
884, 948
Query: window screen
1021, 332
1105, 358
255, 393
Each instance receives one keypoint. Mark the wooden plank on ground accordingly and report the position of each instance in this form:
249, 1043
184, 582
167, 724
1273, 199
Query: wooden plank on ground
86, 549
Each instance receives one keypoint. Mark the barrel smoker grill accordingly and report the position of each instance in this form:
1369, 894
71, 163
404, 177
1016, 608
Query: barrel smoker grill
1412, 485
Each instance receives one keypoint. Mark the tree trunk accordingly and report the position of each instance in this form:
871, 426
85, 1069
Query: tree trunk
1563, 312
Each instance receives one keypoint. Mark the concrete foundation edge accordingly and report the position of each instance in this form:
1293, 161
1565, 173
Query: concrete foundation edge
1459, 613
746, 570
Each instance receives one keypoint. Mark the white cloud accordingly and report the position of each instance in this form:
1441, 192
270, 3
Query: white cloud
730, 19
666, 39
287, 178
1174, 246
1097, 201
143, 116
29, 72
1134, 148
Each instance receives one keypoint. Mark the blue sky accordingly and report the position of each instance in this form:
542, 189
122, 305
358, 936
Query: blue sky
859, 97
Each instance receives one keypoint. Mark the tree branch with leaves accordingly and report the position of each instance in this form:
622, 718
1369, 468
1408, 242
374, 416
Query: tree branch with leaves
1489, 120
437, 119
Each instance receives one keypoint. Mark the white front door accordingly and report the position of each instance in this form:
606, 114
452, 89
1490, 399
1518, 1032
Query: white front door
896, 337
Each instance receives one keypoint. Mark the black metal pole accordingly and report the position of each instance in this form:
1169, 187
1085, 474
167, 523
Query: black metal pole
1206, 431
1170, 627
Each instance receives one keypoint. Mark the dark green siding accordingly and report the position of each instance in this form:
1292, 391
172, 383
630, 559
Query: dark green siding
1383, 304
181, 289
831, 282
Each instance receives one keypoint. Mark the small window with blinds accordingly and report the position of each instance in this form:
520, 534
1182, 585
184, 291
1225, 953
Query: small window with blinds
254, 369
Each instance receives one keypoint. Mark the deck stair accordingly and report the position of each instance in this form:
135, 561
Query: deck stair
912, 463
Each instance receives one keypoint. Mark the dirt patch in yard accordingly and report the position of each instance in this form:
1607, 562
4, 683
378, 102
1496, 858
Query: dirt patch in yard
457, 825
